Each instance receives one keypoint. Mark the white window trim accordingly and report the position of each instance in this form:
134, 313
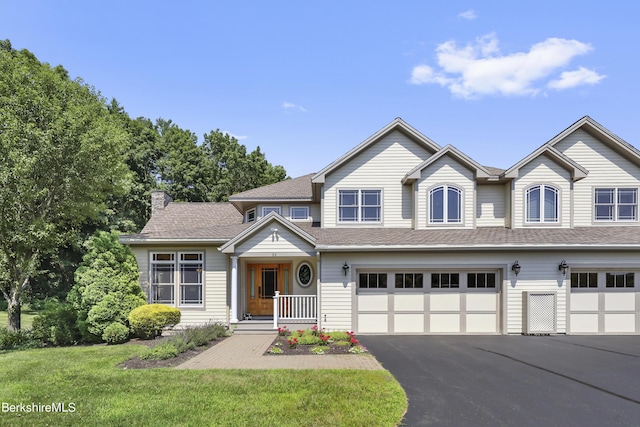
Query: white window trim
176, 263
445, 204
277, 209
615, 205
306, 208
359, 206
542, 188
302, 285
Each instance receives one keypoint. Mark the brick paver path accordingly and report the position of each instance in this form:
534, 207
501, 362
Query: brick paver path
247, 352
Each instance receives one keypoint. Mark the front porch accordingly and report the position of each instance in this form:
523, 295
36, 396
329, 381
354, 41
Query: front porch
298, 310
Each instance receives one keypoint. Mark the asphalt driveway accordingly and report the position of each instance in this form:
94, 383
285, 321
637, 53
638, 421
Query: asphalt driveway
515, 380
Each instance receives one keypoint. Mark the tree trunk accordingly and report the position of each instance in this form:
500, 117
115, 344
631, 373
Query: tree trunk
14, 310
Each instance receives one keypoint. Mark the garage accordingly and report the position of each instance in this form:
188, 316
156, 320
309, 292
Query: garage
428, 302
604, 302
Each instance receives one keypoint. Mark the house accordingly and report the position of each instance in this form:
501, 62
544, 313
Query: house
403, 236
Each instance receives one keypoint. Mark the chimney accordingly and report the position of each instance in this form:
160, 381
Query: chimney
159, 200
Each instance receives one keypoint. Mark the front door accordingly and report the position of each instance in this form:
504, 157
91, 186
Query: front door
263, 280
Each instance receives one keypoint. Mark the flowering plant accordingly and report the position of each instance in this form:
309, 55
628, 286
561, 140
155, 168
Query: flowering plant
293, 342
283, 331
325, 338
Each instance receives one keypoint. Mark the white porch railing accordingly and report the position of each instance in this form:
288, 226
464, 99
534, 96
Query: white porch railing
300, 308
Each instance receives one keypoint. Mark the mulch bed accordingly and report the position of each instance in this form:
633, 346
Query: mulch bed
137, 363
304, 349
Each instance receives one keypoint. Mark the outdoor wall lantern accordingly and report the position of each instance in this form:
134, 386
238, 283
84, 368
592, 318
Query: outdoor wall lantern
345, 269
516, 267
563, 267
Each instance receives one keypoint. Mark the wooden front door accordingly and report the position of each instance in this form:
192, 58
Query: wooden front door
263, 280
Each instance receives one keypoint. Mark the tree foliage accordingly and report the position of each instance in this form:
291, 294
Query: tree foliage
62, 155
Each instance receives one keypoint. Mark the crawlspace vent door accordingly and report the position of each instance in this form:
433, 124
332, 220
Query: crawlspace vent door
540, 312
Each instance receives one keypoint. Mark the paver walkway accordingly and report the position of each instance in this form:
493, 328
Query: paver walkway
247, 352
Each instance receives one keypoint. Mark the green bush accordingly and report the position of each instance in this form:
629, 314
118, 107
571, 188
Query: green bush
148, 321
338, 335
115, 333
13, 340
162, 351
56, 324
202, 335
309, 340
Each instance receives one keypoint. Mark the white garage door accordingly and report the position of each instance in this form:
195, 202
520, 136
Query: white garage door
430, 302
604, 302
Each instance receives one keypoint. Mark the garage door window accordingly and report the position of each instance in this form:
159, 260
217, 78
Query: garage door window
584, 280
372, 280
445, 280
409, 280
481, 280
620, 280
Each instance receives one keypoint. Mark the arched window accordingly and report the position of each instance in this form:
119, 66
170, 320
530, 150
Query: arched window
541, 204
445, 205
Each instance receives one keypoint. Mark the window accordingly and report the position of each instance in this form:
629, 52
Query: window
408, 280
620, 280
299, 212
359, 205
372, 280
188, 281
542, 204
445, 205
305, 274
616, 204
250, 215
267, 209
445, 280
584, 280
481, 280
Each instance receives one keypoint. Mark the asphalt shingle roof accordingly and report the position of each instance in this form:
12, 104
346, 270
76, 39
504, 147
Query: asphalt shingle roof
290, 189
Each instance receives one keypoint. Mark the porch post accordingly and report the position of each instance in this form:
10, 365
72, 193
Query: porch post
275, 309
234, 289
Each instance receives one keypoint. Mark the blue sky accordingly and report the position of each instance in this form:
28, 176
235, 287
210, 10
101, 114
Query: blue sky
308, 80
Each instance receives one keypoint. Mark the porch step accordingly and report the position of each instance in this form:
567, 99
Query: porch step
253, 327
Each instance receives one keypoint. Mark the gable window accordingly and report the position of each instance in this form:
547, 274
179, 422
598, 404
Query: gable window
409, 280
445, 205
541, 204
299, 213
445, 280
187, 284
267, 209
250, 215
372, 280
616, 204
359, 205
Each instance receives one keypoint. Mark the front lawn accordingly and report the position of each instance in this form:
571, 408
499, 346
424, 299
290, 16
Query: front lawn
103, 394
26, 318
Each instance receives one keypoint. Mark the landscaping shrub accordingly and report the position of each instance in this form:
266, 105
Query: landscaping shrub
202, 335
148, 321
20, 339
161, 351
56, 324
115, 333
187, 339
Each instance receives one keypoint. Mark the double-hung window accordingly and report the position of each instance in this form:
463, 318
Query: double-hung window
187, 284
359, 206
616, 204
542, 204
299, 213
445, 205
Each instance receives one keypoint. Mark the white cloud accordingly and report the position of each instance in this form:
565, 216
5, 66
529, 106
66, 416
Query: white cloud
469, 15
571, 79
480, 69
238, 137
291, 106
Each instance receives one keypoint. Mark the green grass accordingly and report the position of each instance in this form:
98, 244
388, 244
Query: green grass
106, 395
26, 318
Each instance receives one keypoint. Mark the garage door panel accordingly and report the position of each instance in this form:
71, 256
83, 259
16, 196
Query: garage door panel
373, 302
373, 323
619, 323
408, 302
409, 323
584, 301
584, 323
620, 301
445, 323
481, 322
482, 302
445, 302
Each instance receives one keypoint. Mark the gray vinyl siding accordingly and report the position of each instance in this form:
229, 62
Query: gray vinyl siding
446, 171
314, 210
381, 166
215, 307
606, 167
282, 242
490, 206
542, 170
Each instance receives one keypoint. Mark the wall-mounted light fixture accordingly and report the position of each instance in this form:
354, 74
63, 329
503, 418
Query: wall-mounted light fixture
563, 267
345, 269
516, 267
